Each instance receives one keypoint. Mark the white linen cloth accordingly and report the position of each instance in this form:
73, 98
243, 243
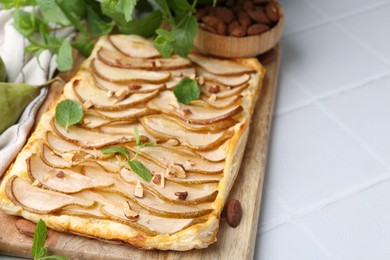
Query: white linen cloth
22, 67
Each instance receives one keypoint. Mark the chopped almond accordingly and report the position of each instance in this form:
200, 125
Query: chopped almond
68, 156
139, 190
133, 87
46, 177
110, 93
128, 212
162, 184
214, 89
157, 63
172, 142
88, 104
192, 76
213, 97
36, 183
120, 94
201, 80
157, 179
181, 195
186, 112
60, 174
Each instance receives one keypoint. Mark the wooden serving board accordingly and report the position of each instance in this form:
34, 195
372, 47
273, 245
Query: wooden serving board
233, 243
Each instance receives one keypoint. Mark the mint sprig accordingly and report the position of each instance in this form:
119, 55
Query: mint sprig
68, 112
38, 250
186, 90
135, 166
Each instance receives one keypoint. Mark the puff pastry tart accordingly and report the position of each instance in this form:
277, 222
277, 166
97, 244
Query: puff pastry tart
62, 177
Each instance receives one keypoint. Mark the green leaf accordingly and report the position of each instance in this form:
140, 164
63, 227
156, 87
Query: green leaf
115, 150
145, 26
184, 35
40, 234
31, 49
164, 47
8, 4
74, 12
84, 44
96, 23
181, 5
140, 170
52, 12
27, 23
68, 112
167, 35
187, 90
64, 58
128, 8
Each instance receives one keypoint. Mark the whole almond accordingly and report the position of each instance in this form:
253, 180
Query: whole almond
238, 31
201, 13
207, 28
258, 15
225, 14
247, 6
257, 29
244, 19
211, 20
233, 213
232, 26
25, 227
272, 12
221, 28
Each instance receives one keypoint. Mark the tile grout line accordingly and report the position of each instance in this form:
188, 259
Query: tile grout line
335, 20
326, 203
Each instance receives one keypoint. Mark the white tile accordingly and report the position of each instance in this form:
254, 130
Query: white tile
343, 7
357, 227
365, 111
299, 15
289, 96
272, 210
312, 160
377, 38
286, 242
325, 59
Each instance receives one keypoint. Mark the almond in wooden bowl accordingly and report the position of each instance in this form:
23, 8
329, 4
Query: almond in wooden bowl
256, 27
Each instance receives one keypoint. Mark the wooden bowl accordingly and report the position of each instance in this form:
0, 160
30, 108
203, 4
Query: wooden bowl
239, 47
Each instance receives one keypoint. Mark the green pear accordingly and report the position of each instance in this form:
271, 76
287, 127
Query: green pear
14, 97
3, 72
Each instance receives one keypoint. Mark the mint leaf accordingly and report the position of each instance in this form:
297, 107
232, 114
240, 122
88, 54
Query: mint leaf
128, 8
167, 35
96, 22
8, 4
181, 5
52, 12
27, 23
115, 150
38, 248
164, 47
64, 58
68, 112
184, 35
187, 90
136, 133
115, 9
84, 44
140, 170
145, 26
30, 49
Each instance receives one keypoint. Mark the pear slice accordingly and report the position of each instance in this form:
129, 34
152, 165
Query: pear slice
87, 92
130, 88
231, 81
220, 66
167, 103
134, 46
91, 121
92, 139
172, 63
217, 103
184, 72
69, 182
124, 115
125, 128
216, 155
163, 128
224, 93
60, 146
50, 158
221, 125
165, 156
121, 75
22, 193
117, 59
74, 210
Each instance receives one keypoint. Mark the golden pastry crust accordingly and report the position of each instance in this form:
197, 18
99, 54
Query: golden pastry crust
195, 235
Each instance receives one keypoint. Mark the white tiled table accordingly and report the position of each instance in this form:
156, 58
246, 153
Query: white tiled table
327, 184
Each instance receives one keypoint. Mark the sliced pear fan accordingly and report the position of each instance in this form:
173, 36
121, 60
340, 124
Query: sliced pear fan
122, 75
222, 125
134, 46
69, 182
219, 66
118, 59
164, 129
217, 103
91, 139
91, 121
216, 155
231, 81
173, 63
166, 103
224, 93
191, 162
87, 92
130, 88
30, 197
